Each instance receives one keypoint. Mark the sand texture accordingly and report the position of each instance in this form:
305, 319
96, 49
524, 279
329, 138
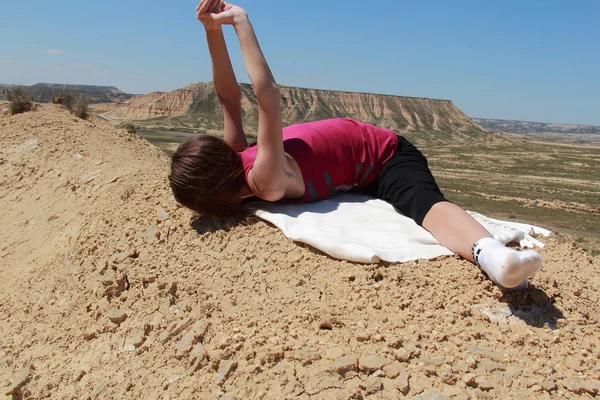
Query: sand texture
108, 291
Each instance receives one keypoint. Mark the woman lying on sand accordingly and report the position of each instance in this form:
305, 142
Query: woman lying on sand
312, 161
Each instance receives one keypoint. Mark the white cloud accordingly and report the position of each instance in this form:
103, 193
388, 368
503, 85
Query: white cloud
53, 52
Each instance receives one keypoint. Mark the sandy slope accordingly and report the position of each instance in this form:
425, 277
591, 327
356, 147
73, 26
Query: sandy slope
90, 235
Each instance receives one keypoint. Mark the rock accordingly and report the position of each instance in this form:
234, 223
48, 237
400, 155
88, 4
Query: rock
117, 316
419, 383
373, 385
305, 356
335, 353
485, 353
431, 394
162, 215
345, 363
22, 377
577, 387
137, 341
90, 334
403, 355
393, 370
490, 366
483, 383
176, 329
371, 363
225, 368
401, 382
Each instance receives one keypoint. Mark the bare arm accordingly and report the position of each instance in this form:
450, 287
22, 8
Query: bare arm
270, 175
227, 90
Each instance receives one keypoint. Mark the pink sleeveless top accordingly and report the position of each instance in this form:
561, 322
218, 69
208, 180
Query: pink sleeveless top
333, 155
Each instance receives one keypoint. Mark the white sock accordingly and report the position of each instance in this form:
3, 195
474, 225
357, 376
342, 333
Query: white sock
504, 266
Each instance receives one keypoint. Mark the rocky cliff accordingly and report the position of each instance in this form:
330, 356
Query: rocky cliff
196, 106
44, 92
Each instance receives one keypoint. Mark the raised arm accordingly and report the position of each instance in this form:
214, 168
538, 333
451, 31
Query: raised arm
226, 86
271, 172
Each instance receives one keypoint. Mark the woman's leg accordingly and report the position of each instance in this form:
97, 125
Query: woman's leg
455, 229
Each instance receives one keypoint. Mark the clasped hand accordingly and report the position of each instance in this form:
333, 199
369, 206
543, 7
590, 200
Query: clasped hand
214, 13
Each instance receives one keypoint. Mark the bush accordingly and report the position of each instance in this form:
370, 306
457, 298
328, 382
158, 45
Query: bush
81, 109
20, 102
130, 128
66, 98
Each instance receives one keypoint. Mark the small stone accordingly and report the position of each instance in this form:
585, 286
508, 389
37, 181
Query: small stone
469, 379
137, 341
393, 370
419, 383
117, 316
128, 348
373, 385
403, 355
225, 368
90, 334
345, 363
162, 214
431, 394
581, 387
379, 374
335, 353
401, 382
490, 366
483, 383
371, 363
20, 380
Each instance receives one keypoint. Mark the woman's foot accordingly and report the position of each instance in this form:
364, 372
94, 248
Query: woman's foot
504, 266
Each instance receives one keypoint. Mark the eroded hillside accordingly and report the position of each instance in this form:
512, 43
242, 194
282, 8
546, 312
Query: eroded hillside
196, 106
109, 292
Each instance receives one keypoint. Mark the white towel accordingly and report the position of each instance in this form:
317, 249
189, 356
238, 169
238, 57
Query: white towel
360, 228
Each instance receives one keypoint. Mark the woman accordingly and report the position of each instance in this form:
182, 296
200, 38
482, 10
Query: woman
310, 162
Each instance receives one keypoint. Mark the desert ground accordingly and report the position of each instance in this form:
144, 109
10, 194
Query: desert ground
111, 290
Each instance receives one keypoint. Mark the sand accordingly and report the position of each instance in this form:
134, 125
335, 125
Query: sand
110, 290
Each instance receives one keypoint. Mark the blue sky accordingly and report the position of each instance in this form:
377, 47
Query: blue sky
536, 60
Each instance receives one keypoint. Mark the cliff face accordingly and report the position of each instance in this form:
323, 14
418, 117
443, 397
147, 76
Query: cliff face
152, 105
500, 125
197, 106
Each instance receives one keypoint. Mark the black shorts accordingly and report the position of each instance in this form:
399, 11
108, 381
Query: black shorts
406, 182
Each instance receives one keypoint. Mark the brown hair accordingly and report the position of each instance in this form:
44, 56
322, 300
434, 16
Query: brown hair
207, 176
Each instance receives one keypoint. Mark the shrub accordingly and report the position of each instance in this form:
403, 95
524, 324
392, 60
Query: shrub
130, 128
20, 101
81, 109
66, 98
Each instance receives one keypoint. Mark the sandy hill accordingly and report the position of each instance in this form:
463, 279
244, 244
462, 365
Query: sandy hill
196, 106
109, 292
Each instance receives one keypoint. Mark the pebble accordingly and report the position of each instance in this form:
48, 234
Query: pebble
576, 387
371, 363
90, 334
403, 355
21, 379
431, 394
490, 366
345, 363
401, 382
225, 368
372, 386
117, 316
393, 370
548, 386
335, 353
483, 383
137, 341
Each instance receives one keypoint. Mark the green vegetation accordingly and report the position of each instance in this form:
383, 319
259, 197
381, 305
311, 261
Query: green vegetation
20, 101
77, 105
